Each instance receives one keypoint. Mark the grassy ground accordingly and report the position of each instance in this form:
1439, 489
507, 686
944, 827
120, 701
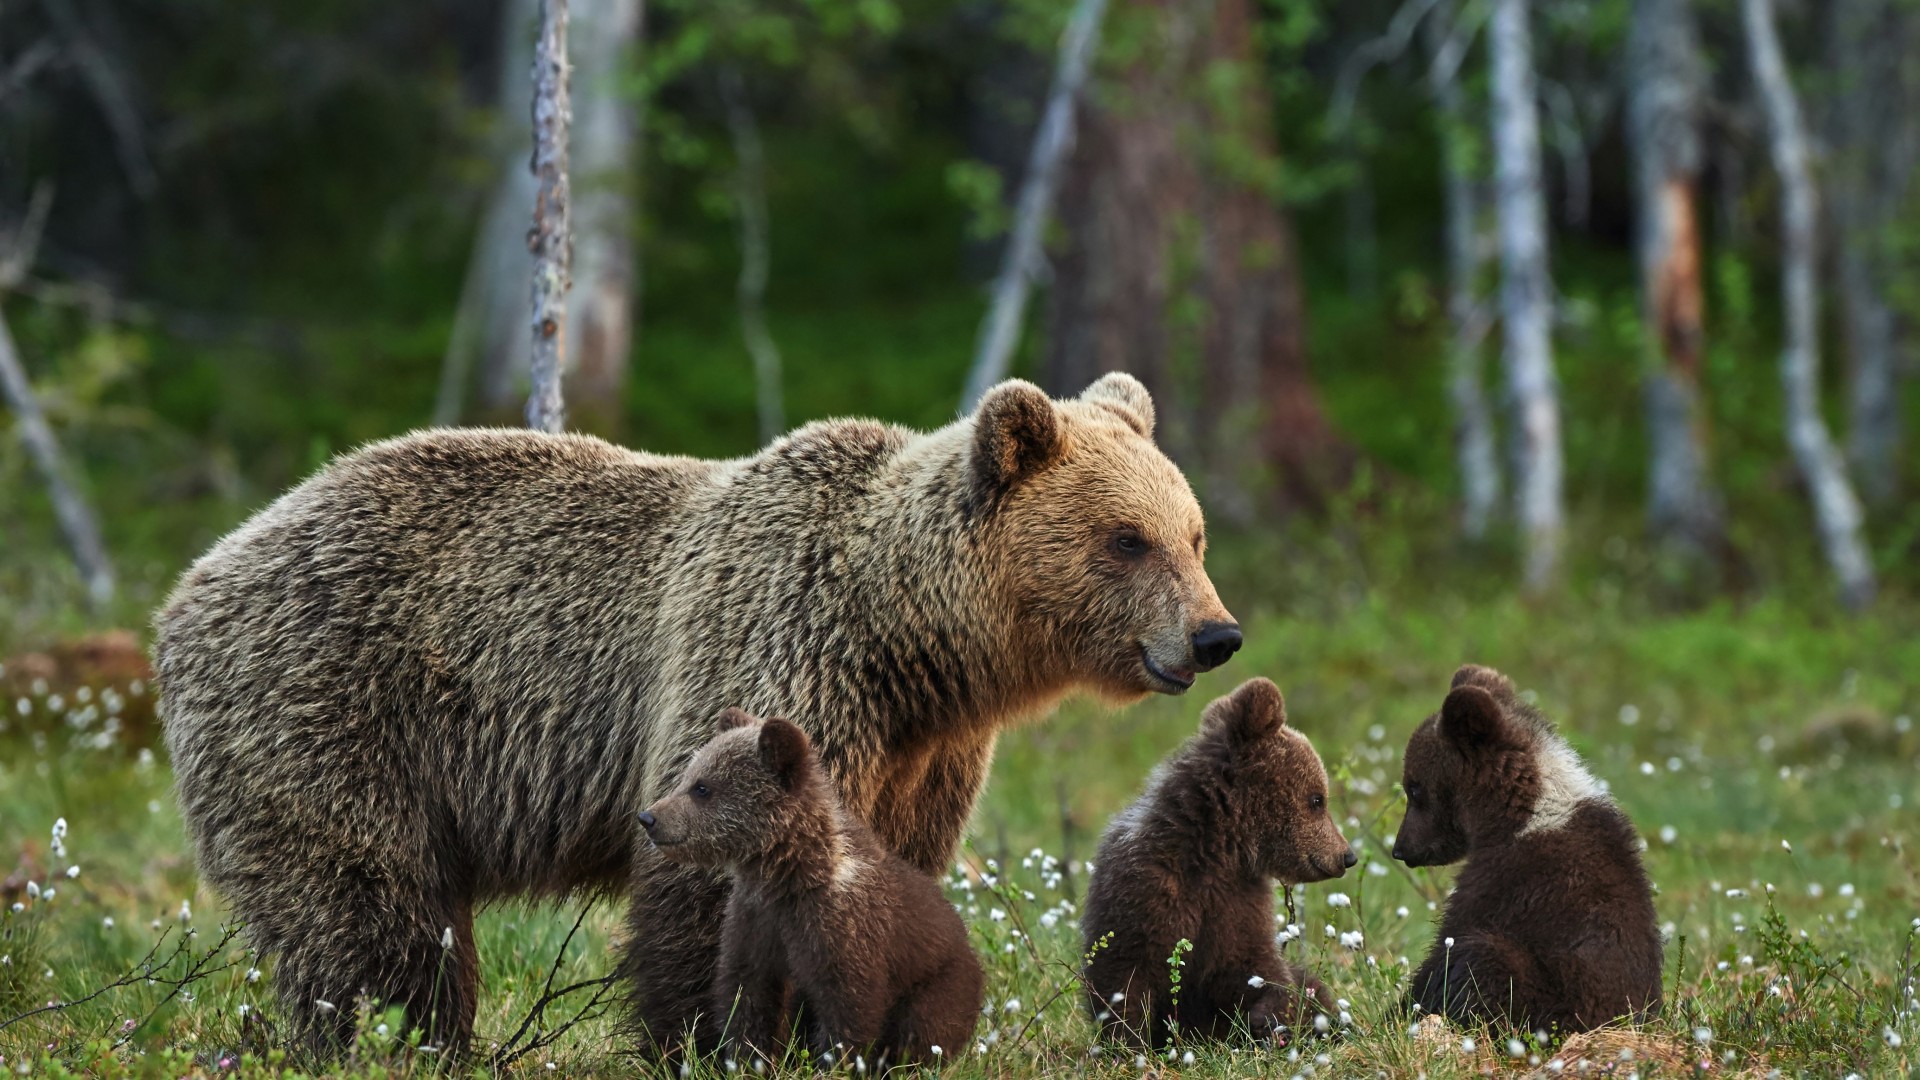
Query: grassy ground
1765, 749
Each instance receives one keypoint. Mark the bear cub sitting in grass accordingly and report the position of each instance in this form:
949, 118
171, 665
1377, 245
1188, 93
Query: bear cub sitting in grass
1551, 923
1242, 804
823, 921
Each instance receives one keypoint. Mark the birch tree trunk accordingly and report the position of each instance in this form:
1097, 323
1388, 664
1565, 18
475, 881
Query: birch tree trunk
1525, 294
69, 506
750, 199
552, 237
1836, 510
604, 153
1873, 144
1021, 261
1474, 443
1664, 81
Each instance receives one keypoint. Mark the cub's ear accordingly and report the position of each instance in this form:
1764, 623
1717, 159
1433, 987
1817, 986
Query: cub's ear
1016, 434
784, 751
1252, 712
1486, 678
733, 717
1126, 396
1471, 719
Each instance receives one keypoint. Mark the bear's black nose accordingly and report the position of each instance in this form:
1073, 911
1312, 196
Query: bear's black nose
1350, 859
1214, 644
647, 821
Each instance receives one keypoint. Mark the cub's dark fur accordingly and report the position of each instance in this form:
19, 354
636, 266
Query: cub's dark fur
822, 920
1241, 804
1551, 920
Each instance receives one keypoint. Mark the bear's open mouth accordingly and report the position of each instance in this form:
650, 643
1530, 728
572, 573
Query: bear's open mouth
1179, 682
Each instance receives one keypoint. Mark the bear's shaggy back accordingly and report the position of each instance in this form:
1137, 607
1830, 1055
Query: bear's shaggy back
451, 666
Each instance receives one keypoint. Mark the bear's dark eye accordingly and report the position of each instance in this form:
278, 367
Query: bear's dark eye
1415, 791
1316, 802
701, 791
1130, 543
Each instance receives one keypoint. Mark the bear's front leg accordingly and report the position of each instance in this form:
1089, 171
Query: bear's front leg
921, 812
673, 949
752, 992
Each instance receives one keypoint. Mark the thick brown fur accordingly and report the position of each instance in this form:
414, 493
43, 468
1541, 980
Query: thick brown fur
1551, 920
1241, 805
450, 667
823, 921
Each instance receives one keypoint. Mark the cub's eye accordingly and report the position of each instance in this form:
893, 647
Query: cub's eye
701, 791
1130, 543
1317, 802
1415, 791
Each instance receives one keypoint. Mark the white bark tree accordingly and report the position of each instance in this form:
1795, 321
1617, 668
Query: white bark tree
1665, 77
1526, 294
1873, 141
1000, 331
552, 235
1836, 509
1474, 442
750, 201
70, 508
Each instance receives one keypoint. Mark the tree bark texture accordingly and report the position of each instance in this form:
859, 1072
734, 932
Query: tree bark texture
1474, 442
1836, 510
1664, 85
70, 508
604, 152
1872, 136
1526, 294
552, 237
1021, 261
1179, 266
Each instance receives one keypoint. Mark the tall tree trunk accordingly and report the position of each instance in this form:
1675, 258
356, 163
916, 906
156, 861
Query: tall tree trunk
490, 325
75, 515
1873, 142
1474, 443
1526, 294
750, 201
1179, 266
1021, 261
552, 235
1664, 82
605, 161
1836, 510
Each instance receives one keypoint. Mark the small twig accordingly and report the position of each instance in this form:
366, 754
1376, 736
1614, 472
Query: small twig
37, 56
111, 94
141, 971
1381, 50
196, 971
535, 1017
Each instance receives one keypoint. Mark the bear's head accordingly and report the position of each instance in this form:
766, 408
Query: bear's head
1272, 787
741, 794
1097, 539
1485, 768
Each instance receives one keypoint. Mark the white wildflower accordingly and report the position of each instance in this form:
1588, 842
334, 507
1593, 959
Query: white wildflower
1012, 1005
33, 890
73, 871
1257, 982
997, 915
1339, 899
935, 1050
1186, 1058
1401, 911
1467, 1045
1516, 1048
186, 912
446, 938
1703, 1035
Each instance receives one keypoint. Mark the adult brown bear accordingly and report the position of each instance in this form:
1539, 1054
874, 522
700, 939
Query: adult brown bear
453, 667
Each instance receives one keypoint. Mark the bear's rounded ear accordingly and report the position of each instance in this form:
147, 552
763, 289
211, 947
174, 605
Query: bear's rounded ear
733, 717
1016, 434
1125, 396
1252, 712
1486, 678
784, 750
1471, 719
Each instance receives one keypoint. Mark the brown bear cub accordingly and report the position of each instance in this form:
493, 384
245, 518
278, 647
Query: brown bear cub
1241, 805
822, 920
1551, 924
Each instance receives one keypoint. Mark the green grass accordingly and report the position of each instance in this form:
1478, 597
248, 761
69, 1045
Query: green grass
1728, 732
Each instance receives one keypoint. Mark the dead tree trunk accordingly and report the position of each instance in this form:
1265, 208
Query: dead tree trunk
1180, 267
1664, 85
1474, 443
750, 200
69, 506
1526, 294
1873, 142
551, 238
1021, 262
1836, 510
604, 155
